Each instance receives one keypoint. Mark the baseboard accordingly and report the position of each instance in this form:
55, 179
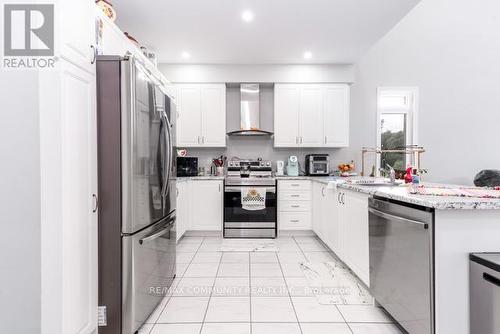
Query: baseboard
296, 233
203, 234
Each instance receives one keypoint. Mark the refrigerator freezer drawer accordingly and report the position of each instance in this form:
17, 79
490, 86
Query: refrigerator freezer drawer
148, 271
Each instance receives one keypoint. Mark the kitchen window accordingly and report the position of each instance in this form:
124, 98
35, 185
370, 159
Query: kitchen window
396, 124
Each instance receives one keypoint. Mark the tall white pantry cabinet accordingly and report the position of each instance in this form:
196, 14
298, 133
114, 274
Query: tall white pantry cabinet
68, 145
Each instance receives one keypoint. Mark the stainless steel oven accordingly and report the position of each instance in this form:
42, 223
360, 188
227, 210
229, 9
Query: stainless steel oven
242, 223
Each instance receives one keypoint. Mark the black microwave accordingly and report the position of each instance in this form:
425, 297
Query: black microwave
187, 166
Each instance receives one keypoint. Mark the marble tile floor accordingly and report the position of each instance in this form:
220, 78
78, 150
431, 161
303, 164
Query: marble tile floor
252, 292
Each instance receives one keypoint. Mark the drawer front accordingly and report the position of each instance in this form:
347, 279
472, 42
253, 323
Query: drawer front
294, 195
294, 221
294, 206
294, 185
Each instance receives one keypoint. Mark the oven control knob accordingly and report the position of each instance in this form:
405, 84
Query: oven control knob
268, 163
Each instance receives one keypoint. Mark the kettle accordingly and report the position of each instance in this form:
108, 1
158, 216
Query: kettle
292, 167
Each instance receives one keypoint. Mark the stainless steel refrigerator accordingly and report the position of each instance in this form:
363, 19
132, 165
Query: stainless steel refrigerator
137, 192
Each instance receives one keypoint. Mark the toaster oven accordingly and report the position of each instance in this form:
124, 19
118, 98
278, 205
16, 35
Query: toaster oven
317, 164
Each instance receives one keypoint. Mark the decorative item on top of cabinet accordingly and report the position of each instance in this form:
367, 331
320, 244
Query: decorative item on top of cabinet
311, 115
107, 9
202, 115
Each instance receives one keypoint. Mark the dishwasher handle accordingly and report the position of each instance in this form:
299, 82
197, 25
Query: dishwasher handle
491, 279
394, 217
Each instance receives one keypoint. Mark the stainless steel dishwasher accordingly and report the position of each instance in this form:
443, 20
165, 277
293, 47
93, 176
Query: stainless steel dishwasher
401, 262
485, 293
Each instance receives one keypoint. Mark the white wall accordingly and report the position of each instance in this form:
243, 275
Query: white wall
178, 73
20, 290
450, 49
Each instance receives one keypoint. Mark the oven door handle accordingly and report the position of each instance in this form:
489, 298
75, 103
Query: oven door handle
238, 189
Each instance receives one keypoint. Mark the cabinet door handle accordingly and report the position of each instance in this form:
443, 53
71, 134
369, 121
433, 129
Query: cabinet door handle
294, 195
326, 140
94, 54
296, 140
96, 203
338, 198
343, 198
294, 221
323, 191
219, 187
295, 206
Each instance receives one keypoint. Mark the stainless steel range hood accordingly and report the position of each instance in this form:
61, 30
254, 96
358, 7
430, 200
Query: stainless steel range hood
249, 112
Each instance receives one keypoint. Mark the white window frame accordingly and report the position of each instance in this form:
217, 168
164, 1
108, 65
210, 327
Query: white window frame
411, 115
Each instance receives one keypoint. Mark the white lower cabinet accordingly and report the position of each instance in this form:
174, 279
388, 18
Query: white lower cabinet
199, 206
340, 220
294, 204
353, 231
183, 214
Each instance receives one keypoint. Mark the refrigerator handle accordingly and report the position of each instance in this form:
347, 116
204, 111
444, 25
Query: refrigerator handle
155, 235
165, 156
168, 138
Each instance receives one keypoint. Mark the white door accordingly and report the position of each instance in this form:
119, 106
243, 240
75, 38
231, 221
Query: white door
213, 115
311, 116
189, 112
182, 223
206, 205
356, 234
336, 116
286, 115
78, 32
79, 185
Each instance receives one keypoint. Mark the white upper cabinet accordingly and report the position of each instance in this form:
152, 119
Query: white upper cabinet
336, 116
311, 115
213, 115
78, 32
286, 115
189, 117
201, 115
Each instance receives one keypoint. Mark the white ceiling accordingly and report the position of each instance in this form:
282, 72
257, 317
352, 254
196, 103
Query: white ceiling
212, 31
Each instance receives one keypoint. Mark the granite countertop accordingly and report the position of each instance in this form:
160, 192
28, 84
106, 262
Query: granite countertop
400, 193
199, 178
321, 179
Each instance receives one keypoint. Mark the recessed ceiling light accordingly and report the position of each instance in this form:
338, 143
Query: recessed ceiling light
247, 16
186, 55
308, 55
